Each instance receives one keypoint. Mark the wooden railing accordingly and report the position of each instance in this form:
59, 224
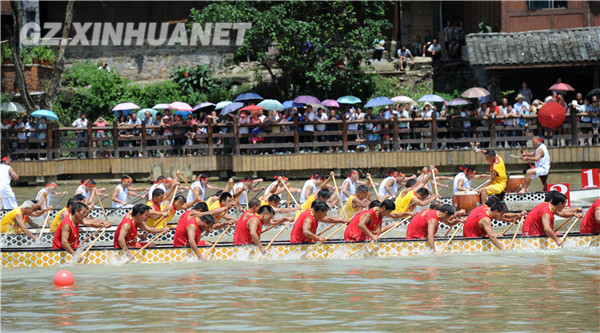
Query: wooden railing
286, 137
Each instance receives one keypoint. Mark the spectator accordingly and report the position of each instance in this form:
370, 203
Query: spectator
243, 119
454, 49
509, 122
403, 55
134, 124
81, 143
309, 128
459, 34
148, 123
372, 129
427, 114
271, 121
179, 130
167, 129
332, 126
30, 127
526, 93
448, 32
403, 125
434, 50
417, 46
124, 135
594, 110
255, 120
379, 46
104, 67
100, 122
41, 126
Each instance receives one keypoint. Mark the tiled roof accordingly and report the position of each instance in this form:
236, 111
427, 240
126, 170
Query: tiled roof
531, 48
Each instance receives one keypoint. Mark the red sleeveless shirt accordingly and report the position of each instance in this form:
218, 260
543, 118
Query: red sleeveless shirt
472, 227
353, 232
181, 235
73, 235
132, 236
533, 225
589, 224
241, 236
417, 228
297, 236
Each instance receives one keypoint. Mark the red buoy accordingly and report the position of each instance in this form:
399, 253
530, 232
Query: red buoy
64, 279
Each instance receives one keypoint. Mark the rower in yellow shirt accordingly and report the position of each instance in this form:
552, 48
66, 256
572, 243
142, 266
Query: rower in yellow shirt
321, 193
356, 202
498, 179
14, 221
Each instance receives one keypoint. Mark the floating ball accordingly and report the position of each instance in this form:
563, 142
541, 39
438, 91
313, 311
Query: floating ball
64, 279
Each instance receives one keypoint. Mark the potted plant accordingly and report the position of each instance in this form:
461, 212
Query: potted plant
37, 52
6, 53
48, 56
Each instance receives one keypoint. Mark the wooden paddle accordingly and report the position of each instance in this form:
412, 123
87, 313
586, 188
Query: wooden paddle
593, 240
169, 208
567, 220
47, 219
101, 205
105, 229
435, 188
92, 235
568, 230
189, 186
451, 237
148, 244
326, 238
380, 236
512, 241
374, 189
210, 251
509, 226
94, 242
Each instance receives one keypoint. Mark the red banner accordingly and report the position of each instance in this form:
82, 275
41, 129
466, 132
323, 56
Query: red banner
562, 188
590, 178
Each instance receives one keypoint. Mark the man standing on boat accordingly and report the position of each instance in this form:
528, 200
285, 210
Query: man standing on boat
121, 192
541, 157
497, 182
479, 222
14, 221
7, 174
591, 221
366, 225
306, 225
425, 224
66, 236
540, 220
126, 235
249, 227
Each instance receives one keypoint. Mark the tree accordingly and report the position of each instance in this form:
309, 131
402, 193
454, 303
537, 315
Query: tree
320, 45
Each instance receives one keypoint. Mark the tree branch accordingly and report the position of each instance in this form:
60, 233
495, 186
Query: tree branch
15, 8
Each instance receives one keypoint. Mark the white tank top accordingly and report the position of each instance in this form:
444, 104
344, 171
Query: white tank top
49, 196
351, 189
190, 196
81, 190
154, 187
4, 176
268, 190
310, 182
466, 182
394, 186
543, 162
122, 195
428, 185
242, 198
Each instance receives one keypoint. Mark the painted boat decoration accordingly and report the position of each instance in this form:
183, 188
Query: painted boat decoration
390, 247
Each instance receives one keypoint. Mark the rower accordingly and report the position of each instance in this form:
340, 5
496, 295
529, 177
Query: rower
479, 222
66, 236
541, 157
306, 225
425, 224
241, 189
591, 221
462, 180
274, 200
567, 212
410, 198
367, 224
158, 183
389, 186
121, 192
14, 221
497, 182
225, 200
189, 232
215, 197
249, 227
85, 188
321, 193
356, 202
159, 208
7, 174
312, 186
200, 186
126, 235
178, 204
349, 185
277, 188
65, 211
46, 193
540, 219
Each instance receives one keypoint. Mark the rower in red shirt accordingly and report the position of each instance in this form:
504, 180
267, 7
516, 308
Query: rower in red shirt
126, 235
425, 224
540, 219
67, 235
305, 227
479, 222
367, 223
591, 221
249, 227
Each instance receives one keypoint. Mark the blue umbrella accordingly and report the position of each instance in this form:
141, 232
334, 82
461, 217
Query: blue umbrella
183, 113
378, 101
248, 97
349, 100
291, 104
123, 112
204, 105
431, 98
142, 113
231, 107
271, 104
45, 114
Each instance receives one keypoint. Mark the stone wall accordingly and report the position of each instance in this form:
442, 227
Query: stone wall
141, 63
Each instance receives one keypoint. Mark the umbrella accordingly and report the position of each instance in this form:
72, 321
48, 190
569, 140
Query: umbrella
252, 107
161, 106
594, 92
305, 99
248, 97
231, 107
205, 105
349, 100
378, 101
561, 86
123, 112
317, 106
271, 104
125, 106
551, 115
181, 106
402, 99
331, 103
222, 104
475, 92
291, 104
142, 113
431, 98
183, 113
13, 107
458, 101
45, 114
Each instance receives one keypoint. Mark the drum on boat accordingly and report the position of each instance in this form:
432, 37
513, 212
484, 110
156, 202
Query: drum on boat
515, 184
466, 200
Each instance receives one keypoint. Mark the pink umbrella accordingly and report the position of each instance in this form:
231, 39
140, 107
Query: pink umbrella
475, 92
125, 106
181, 106
402, 99
561, 86
331, 103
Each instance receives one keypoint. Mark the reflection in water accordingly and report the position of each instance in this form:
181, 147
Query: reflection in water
496, 291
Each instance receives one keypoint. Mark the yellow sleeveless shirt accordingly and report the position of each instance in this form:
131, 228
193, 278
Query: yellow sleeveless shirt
8, 224
56, 221
403, 203
306, 205
349, 209
163, 222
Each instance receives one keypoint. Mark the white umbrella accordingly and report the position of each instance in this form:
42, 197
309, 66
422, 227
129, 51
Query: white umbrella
161, 106
402, 99
13, 107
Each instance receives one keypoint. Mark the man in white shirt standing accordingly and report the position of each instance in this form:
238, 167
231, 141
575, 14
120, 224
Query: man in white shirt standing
541, 157
9, 200
81, 123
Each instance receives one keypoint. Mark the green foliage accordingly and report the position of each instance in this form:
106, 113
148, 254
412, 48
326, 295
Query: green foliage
6, 51
484, 28
504, 94
320, 45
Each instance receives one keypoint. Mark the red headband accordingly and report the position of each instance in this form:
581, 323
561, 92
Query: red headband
5, 159
538, 140
393, 174
351, 173
49, 184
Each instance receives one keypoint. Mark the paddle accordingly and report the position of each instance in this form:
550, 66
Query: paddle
512, 241
129, 202
148, 244
169, 208
567, 220
380, 236
326, 238
102, 233
451, 237
94, 242
92, 235
435, 188
190, 187
210, 251
59, 200
593, 240
47, 219
519, 157
509, 226
447, 184
566, 233
373, 185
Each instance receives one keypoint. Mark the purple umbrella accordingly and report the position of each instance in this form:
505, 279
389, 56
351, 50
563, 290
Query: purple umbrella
125, 106
204, 105
331, 103
306, 99
378, 101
